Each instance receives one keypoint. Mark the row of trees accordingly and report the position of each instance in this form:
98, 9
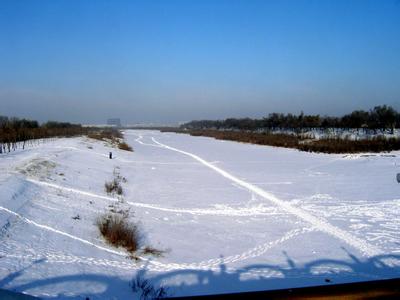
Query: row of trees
15, 133
380, 117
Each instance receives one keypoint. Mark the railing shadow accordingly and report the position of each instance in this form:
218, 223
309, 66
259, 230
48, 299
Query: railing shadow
255, 277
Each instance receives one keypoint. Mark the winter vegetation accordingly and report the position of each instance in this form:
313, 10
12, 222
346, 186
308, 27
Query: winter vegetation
298, 141
119, 231
18, 133
114, 187
153, 251
112, 136
360, 131
378, 119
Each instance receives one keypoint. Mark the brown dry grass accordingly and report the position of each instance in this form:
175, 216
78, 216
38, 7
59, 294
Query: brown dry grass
103, 135
278, 140
331, 145
348, 146
113, 187
119, 232
153, 251
111, 135
124, 146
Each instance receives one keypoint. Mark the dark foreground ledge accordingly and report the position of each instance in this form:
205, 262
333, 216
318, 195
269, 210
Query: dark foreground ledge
379, 289
8, 295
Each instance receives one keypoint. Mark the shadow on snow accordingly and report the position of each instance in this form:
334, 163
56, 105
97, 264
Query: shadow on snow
200, 282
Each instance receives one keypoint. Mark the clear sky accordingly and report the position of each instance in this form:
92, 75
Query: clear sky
168, 61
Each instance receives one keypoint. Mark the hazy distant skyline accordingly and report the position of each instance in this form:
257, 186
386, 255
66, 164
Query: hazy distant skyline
170, 61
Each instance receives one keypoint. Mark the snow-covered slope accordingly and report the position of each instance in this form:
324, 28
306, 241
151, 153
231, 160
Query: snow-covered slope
232, 217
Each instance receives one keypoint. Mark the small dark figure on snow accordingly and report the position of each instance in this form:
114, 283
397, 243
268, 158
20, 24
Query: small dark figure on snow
110, 155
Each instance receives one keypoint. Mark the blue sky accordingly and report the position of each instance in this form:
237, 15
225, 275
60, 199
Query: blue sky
169, 61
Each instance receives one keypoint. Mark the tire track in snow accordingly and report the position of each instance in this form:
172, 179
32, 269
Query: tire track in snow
366, 248
48, 228
71, 190
139, 140
211, 264
218, 210
214, 264
221, 210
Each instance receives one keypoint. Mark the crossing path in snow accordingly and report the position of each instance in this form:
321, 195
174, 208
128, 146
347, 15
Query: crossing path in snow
366, 248
219, 210
45, 227
211, 264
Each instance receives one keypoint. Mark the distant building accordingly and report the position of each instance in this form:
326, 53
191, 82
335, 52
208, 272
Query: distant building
114, 122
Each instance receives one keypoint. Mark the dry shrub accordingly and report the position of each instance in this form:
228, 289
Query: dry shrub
278, 140
95, 135
118, 176
328, 145
111, 135
113, 187
119, 232
124, 146
107, 134
153, 251
378, 144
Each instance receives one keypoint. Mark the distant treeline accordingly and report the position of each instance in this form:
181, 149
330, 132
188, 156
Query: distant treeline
325, 145
380, 117
16, 132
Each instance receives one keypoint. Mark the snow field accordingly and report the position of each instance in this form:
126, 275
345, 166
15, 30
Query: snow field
216, 206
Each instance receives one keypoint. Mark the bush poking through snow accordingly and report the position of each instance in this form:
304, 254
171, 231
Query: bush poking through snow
297, 141
113, 187
153, 251
119, 232
118, 176
104, 135
124, 146
147, 290
113, 136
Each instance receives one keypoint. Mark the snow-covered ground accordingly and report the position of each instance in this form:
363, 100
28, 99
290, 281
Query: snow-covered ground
232, 217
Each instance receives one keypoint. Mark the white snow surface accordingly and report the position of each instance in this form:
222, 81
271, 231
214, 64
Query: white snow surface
231, 216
